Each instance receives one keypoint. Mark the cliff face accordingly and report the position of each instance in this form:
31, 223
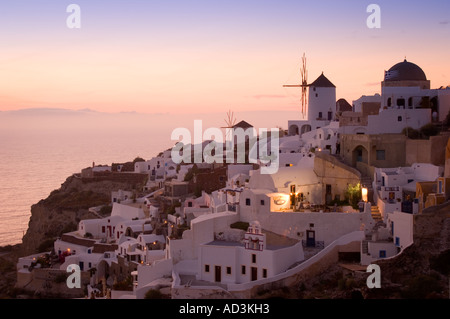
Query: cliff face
62, 210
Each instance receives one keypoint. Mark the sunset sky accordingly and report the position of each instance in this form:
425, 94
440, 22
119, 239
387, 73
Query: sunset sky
203, 56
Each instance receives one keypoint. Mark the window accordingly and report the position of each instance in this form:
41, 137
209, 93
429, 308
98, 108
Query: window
247, 201
189, 204
399, 119
103, 229
397, 241
262, 202
381, 155
228, 270
206, 268
243, 270
330, 116
382, 253
410, 101
264, 274
254, 258
389, 102
320, 115
401, 102
317, 95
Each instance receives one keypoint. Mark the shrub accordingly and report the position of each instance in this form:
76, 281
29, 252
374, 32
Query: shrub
105, 210
46, 245
353, 195
411, 133
153, 294
60, 278
429, 130
126, 284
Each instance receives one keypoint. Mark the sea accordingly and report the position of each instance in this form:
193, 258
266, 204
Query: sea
40, 148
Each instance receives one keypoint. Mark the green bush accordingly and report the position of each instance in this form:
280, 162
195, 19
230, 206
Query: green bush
353, 195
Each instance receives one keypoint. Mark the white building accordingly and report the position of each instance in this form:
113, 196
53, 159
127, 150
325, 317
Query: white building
391, 184
387, 242
250, 260
406, 101
321, 107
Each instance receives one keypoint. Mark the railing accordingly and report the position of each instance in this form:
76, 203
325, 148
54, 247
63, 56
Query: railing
392, 189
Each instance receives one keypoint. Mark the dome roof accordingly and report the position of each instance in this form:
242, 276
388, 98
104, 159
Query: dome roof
405, 71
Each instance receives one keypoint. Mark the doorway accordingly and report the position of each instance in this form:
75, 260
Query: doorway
310, 238
218, 273
328, 195
254, 273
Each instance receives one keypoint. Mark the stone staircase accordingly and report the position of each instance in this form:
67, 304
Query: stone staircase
365, 247
376, 215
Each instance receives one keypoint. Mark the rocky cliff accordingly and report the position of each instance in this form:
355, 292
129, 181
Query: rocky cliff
62, 210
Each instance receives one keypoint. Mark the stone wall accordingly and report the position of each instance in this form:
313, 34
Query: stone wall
427, 151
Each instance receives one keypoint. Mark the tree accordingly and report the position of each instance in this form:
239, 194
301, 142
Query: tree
353, 194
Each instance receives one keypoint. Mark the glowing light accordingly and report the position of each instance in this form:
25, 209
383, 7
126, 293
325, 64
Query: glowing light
364, 192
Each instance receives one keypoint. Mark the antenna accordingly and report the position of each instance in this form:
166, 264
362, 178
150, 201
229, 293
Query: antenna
304, 85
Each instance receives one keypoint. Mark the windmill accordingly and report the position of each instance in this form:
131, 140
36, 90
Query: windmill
230, 121
303, 85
